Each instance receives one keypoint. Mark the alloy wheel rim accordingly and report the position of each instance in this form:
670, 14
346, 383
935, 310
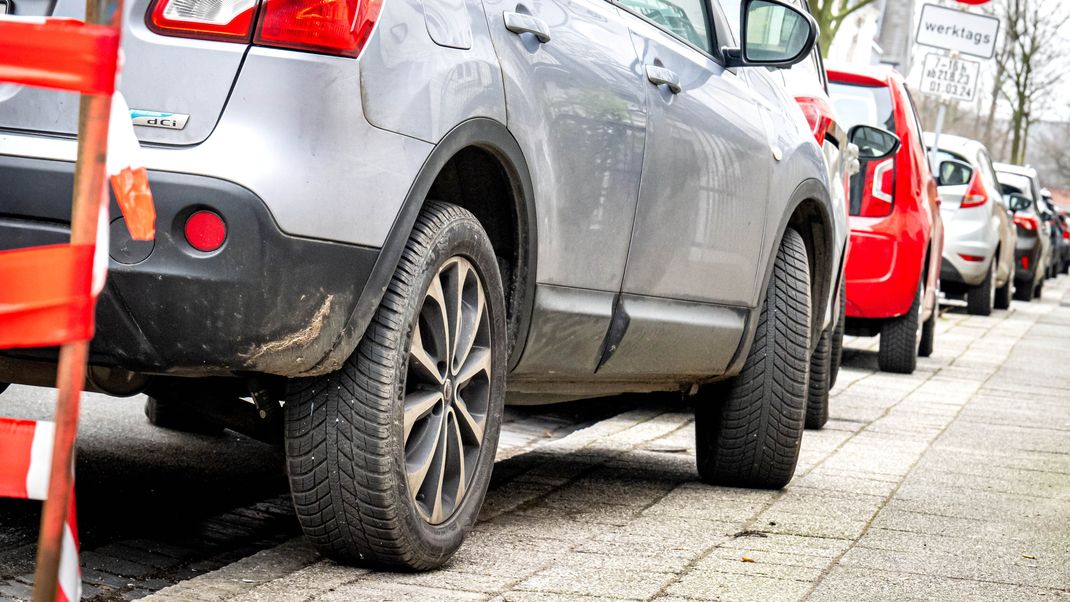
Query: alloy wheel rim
447, 391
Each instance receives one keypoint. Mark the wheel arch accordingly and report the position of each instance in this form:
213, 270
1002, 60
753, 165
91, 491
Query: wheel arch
808, 211
485, 148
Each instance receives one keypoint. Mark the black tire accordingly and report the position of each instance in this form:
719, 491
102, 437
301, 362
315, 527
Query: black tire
1038, 290
837, 338
981, 299
900, 339
346, 432
748, 429
928, 335
1023, 291
817, 399
3, 387
1003, 294
173, 414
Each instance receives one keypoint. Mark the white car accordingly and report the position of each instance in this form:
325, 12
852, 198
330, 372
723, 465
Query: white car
979, 230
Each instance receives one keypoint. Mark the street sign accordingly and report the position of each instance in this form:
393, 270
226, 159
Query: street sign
950, 78
958, 30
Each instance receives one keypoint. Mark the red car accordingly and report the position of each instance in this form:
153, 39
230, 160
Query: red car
896, 233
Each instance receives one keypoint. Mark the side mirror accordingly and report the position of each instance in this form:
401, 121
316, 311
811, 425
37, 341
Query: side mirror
1019, 202
873, 143
774, 35
954, 173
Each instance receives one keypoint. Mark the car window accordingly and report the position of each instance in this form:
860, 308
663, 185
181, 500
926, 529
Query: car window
914, 119
863, 105
686, 19
1012, 182
988, 172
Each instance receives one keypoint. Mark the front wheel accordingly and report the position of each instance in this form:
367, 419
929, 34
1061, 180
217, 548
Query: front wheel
389, 458
748, 430
901, 339
981, 299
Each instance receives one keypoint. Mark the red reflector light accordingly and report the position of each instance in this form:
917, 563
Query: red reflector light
971, 257
975, 195
1025, 262
331, 26
1066, 233
225, 20
205, 231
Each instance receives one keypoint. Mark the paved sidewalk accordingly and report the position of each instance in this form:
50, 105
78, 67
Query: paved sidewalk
952, 483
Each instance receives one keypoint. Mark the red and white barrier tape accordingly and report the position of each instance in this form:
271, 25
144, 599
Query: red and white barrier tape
26, 447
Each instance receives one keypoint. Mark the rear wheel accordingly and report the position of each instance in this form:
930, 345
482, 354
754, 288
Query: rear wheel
837, 338
1003, 294
1023, 290
981, 299
1038, 290
389, 458
750, 436
817, 399
901, 338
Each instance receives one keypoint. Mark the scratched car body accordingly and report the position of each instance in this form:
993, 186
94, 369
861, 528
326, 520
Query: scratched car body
376, 217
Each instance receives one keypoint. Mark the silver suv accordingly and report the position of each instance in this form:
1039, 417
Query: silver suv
370, 212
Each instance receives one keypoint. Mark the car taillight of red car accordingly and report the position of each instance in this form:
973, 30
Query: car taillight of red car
338, 27
976, 195
878, 191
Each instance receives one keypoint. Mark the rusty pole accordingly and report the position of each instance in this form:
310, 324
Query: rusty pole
89, 194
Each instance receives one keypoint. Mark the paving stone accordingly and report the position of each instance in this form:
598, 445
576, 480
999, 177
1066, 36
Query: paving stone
715, 585
371, 590
845, 583
609, 583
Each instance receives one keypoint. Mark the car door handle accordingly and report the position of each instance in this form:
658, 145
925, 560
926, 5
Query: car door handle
660, 76
519, 23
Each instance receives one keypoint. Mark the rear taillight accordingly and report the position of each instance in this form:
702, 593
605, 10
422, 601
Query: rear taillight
226, 20
878, 193
1027, 222
973, 258
975, 195
1066, 234
339, 27
818, 114
331, 26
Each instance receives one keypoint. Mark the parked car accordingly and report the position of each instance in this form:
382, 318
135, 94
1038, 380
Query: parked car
1064, 243
979, 231
1060, 236
1033, 252
806, 81
375, 211
896, 231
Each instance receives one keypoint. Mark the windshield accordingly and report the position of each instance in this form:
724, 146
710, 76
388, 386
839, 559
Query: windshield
863, 105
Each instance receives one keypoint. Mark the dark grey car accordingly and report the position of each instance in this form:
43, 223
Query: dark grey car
371, 212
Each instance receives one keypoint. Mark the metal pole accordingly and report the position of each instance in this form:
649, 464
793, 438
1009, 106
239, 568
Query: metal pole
936, 137
89, 193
